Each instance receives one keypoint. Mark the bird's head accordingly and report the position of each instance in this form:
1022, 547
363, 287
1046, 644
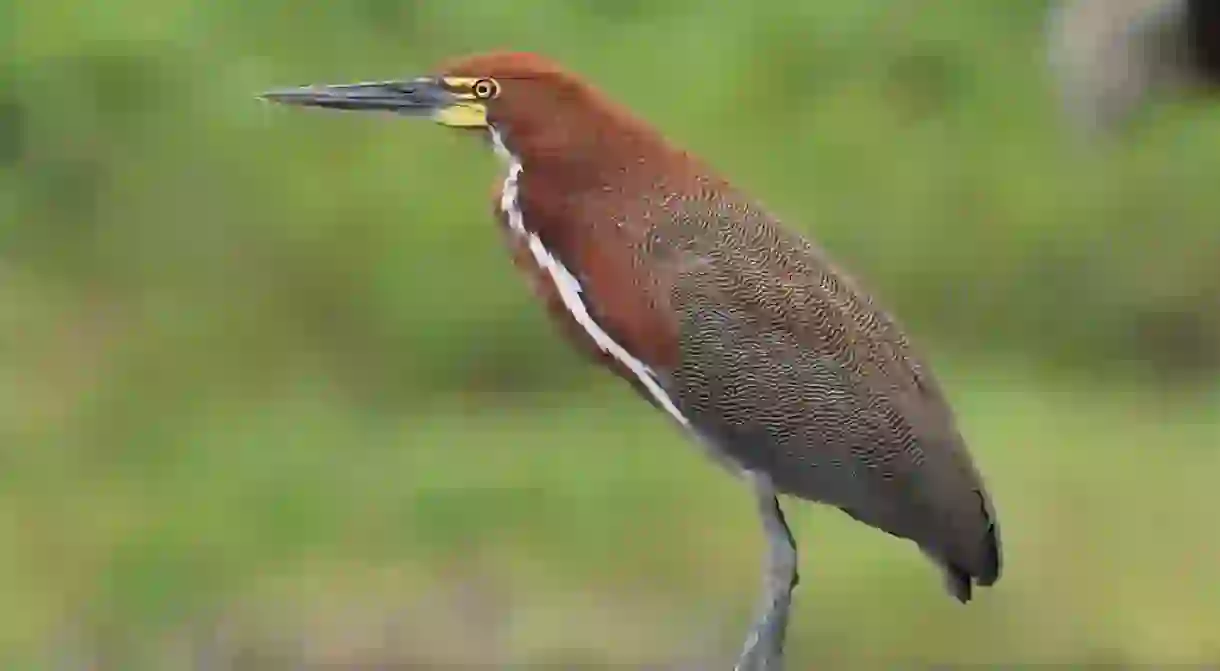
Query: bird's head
530, 102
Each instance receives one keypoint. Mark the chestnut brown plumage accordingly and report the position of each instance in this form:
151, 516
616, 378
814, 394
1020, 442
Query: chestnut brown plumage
745, 333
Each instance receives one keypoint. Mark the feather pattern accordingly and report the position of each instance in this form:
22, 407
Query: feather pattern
789, 368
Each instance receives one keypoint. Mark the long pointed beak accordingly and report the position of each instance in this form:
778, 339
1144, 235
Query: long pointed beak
423, 96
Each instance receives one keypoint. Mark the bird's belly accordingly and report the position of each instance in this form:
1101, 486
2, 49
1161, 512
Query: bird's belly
795, 415
814, 471
837, 459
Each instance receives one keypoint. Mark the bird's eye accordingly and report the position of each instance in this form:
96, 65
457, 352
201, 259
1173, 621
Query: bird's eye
486, 89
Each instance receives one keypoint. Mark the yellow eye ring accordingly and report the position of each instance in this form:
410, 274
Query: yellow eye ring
486, 89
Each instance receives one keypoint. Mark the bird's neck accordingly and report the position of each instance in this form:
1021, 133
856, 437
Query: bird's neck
585, 194
605, 149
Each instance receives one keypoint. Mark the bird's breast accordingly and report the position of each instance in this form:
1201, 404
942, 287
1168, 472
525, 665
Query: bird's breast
589, 285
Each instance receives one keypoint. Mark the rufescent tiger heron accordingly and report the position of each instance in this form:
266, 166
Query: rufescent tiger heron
744, 333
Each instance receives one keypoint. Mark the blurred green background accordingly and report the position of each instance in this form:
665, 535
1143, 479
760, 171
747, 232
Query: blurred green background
272, 392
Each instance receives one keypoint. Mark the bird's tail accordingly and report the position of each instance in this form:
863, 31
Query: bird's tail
985, 569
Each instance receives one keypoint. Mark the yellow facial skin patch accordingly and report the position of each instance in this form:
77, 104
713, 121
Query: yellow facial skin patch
471, 109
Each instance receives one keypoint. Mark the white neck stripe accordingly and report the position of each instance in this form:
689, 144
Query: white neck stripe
568, 286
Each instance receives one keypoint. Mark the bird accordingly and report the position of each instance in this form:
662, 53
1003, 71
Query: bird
742, 331
1112, 58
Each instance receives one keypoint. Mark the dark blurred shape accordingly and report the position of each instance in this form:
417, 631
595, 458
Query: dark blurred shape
924, 81
12, 118
1203, 37
1113, 57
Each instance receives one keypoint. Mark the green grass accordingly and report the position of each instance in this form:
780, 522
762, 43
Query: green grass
583, 528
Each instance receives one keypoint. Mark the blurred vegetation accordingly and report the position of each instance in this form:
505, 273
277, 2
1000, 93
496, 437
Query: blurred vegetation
269, 376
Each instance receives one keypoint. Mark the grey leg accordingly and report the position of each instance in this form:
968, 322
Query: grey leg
764, 648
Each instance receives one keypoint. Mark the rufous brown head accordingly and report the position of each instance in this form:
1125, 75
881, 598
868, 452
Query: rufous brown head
527, 99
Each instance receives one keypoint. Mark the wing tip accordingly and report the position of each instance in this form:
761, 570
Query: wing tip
960, 581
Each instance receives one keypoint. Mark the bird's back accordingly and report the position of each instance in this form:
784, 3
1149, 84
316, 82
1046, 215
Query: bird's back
788, 367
